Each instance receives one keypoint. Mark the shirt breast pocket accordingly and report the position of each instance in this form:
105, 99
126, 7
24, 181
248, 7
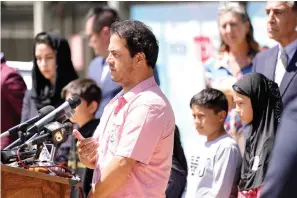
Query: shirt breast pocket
115, 132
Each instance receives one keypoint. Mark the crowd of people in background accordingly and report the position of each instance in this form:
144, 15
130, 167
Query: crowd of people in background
236, 53
126, 142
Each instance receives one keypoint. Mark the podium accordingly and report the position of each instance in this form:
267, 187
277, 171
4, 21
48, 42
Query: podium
22, 183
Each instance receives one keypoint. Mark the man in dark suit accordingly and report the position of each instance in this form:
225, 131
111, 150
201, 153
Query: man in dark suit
13, 90
280, 62
281, 178
97, 29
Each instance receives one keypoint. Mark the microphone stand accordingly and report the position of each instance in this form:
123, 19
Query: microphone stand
12, 144
22, 137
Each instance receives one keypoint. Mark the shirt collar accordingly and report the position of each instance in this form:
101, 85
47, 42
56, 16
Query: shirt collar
222, 60
143, 85
290, 49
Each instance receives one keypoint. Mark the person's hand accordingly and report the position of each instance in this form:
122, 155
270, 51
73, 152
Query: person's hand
86, 147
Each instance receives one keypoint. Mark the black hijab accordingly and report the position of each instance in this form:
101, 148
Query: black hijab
42, 91
267, 106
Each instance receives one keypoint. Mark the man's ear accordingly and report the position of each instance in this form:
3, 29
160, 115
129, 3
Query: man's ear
139, 58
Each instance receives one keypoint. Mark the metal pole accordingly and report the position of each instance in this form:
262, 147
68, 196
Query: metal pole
38, 14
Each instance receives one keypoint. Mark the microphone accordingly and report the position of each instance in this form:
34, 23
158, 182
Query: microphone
40, 138
42, 112
62, 113
55, 131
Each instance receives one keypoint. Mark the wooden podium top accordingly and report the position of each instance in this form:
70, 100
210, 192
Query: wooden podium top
19, 183
25, 172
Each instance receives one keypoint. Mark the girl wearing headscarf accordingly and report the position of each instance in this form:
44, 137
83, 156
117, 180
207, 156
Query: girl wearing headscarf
258, 103
52, 70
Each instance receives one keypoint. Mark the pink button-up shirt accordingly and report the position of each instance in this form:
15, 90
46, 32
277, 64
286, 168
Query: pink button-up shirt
138, 125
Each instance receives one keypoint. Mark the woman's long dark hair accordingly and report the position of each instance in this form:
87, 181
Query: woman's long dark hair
43, 92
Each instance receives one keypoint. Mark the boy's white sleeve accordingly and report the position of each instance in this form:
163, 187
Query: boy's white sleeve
226, 171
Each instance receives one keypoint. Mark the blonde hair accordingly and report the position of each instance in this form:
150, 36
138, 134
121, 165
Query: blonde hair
237, 8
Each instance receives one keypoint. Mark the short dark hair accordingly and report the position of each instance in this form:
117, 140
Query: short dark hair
140, 39
84, 88
104, 16
212, 99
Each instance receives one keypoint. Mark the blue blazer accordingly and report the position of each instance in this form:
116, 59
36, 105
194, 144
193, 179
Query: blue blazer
265, 63
281, 177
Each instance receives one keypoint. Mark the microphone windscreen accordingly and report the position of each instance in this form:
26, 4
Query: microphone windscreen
46, 110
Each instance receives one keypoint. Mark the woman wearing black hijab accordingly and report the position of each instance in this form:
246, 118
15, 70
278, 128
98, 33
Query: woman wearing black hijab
259, 104
52, 70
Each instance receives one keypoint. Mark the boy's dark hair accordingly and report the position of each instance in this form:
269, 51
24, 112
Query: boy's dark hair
85, 88
140, 39
212, 99
104, 16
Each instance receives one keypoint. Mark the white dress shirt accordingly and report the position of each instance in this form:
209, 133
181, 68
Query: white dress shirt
280, 69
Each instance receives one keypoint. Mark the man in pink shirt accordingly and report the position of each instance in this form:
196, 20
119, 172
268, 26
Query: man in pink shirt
131, 150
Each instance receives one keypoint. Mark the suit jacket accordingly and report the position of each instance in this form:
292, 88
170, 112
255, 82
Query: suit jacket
13, 89
281, 178
108, 88
265, 63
